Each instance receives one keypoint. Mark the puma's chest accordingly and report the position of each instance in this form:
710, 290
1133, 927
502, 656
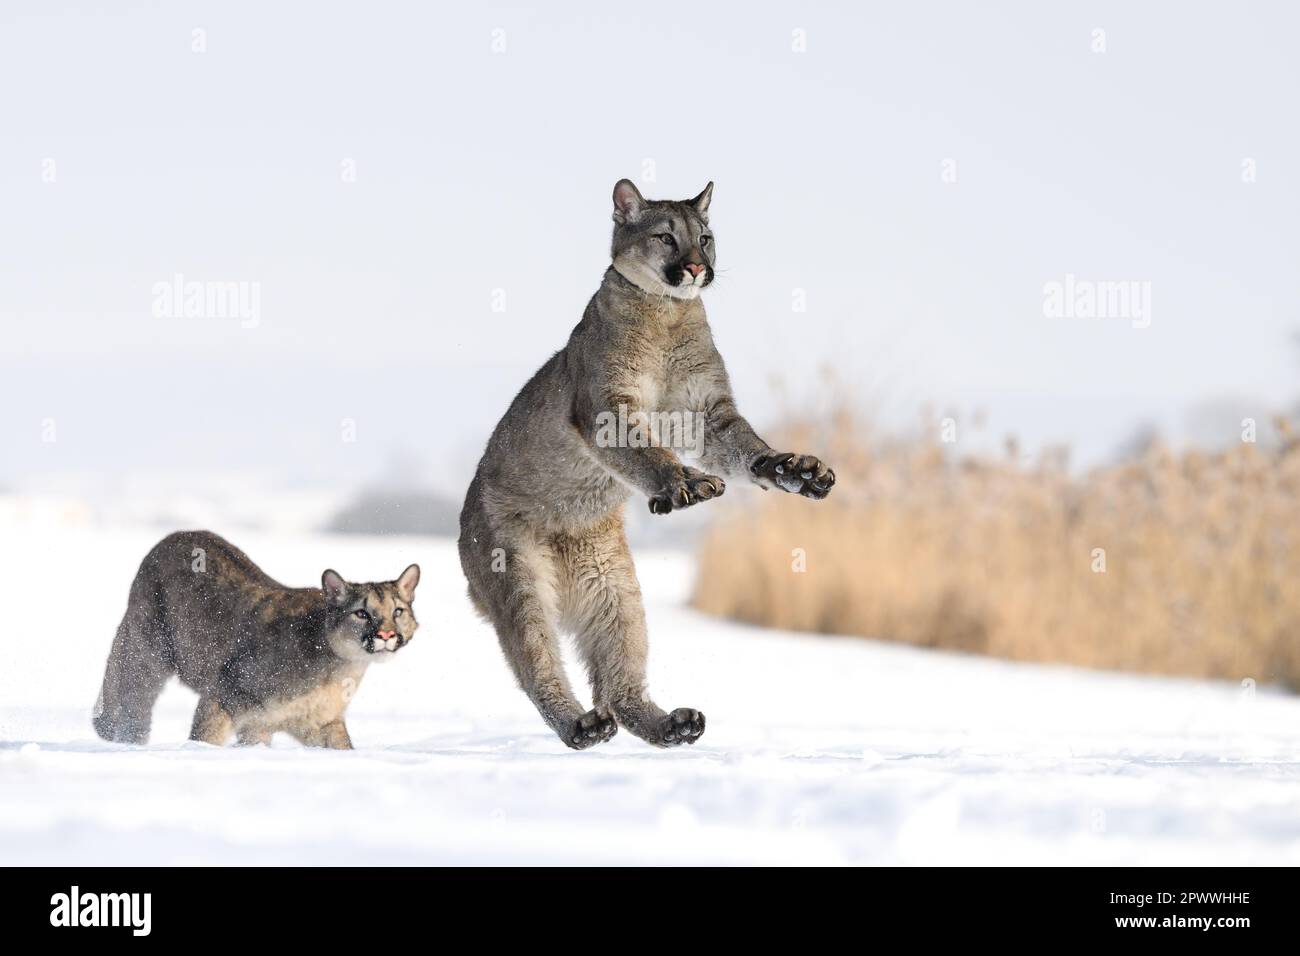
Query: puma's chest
672, 376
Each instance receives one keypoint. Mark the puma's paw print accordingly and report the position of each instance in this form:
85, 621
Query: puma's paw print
682, 726
693, 487
799, 474
594, 727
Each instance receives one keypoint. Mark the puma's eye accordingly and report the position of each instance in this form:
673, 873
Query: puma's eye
666, 238
363, 615
397, 613
705, 240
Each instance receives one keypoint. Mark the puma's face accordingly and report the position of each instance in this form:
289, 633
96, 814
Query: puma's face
371, 621
661, 246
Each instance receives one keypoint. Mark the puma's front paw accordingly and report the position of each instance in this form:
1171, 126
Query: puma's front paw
594, 727
798, 474
693, 487
683, 726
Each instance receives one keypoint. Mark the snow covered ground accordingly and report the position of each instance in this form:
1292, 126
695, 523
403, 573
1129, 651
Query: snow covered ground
818, 750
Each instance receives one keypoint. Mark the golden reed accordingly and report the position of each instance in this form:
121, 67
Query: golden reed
1201, 556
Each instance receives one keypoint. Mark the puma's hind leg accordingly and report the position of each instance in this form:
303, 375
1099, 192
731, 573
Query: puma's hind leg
603, 605
133, 678
515, 588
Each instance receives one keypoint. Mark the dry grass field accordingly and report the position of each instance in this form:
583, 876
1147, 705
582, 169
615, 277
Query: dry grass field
994, 556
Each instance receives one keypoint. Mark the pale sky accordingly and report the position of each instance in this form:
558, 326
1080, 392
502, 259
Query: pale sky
128, 157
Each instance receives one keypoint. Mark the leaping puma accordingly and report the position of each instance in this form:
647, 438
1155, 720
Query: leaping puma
541, 532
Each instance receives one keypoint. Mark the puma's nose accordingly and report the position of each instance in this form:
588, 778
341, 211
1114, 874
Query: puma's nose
386, 634
694, 268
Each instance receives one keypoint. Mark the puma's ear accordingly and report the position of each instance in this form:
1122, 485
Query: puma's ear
701, 202
628, 202
407, 582
335, 588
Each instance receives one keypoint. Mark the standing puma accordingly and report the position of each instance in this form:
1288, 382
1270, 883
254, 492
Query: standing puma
263, 657
541, 533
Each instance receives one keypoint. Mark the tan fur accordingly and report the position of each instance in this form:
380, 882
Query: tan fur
549, 491
305, 716
264, 658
